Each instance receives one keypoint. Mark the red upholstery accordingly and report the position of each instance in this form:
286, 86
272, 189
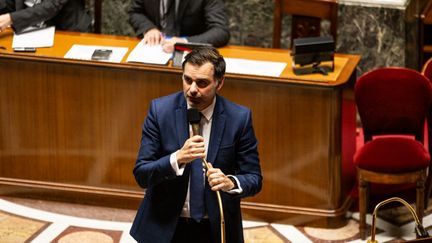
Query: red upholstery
392, 103
392, 155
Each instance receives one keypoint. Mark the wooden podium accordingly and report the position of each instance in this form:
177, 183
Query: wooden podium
70, 129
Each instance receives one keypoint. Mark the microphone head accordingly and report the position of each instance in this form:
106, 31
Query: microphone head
193, 116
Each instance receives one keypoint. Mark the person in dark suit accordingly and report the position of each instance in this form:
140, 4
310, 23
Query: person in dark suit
168, 152
63, 14
203, 21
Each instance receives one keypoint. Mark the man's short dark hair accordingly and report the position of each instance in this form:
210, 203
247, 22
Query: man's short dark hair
201, 55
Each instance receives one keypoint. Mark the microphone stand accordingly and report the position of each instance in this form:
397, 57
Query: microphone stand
194, 119
419, 229
222, 218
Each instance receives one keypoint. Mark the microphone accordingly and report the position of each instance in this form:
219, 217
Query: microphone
194, 118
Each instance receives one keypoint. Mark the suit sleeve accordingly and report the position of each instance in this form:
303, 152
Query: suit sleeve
249, 169
44, 11
139, 17
216, 22
152, 167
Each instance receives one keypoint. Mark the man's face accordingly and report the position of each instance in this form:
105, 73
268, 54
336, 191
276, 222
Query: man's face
199, 85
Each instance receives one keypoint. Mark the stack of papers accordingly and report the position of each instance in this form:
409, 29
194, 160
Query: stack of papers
251, 67
36, 38
149, 54
85, 52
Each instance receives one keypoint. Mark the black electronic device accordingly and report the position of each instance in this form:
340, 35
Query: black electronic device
313, 55
101, 55
180, 49
24, 49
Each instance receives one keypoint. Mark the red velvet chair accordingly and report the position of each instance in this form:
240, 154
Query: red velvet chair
392, 104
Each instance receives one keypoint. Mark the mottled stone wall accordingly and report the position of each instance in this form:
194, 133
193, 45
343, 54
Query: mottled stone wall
115, 18
384, 36
378, 34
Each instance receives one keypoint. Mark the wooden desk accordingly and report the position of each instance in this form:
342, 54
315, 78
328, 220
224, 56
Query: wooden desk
70, 129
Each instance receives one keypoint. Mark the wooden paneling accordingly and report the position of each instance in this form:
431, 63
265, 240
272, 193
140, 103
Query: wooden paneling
72, 128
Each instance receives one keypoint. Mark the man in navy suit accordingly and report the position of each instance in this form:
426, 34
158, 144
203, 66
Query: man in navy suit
168, 151
203, 21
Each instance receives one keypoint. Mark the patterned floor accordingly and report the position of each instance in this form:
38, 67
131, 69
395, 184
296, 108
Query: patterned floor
22, 222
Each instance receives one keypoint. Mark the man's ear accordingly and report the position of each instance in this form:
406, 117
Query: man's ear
220, 83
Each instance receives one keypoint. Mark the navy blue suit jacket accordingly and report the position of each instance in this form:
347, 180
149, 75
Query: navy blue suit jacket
232, 148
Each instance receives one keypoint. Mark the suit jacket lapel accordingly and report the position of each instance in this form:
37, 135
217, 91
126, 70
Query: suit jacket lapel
182, 128
217, 130
181, 122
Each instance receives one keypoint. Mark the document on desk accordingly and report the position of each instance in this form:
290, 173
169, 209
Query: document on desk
252, 67
149, 54
87, 52
36, 38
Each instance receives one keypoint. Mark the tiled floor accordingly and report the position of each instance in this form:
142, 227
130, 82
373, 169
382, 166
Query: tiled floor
28, 220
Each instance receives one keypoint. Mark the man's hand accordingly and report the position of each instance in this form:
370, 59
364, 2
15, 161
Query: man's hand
192, 149
218, 180
153, 37
5, 21
168, 44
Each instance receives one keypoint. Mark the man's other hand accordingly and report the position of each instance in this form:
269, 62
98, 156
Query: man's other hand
218, 180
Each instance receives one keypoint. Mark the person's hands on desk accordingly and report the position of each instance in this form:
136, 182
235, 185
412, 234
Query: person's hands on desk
5, 21
155, 37
168, 44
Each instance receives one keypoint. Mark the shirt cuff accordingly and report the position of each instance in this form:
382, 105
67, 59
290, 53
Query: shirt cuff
237, 190
173, 161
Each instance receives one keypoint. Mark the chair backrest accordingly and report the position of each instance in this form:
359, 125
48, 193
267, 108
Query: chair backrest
427, 69
306, 18
393, 101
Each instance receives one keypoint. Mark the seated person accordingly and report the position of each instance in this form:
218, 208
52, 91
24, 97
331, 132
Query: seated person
27, 14
203, 21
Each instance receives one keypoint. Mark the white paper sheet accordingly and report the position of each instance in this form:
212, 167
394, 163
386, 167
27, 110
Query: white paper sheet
251, 67
149, 54
85, 52
36, 38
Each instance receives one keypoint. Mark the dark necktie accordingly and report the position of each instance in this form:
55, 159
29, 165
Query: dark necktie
168, 18
196, 197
